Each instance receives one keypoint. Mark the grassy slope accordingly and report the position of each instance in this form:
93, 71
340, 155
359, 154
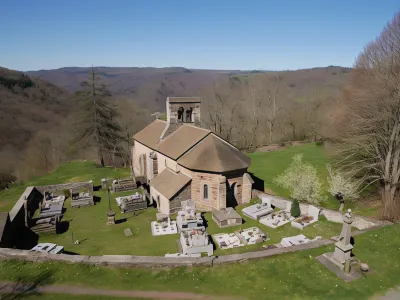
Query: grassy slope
268, 165
71, 172
289, 276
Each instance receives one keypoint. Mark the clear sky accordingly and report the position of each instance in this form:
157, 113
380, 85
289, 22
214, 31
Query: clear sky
209, 34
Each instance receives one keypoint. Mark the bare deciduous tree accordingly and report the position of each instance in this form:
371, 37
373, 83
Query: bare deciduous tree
221, 105
369, 127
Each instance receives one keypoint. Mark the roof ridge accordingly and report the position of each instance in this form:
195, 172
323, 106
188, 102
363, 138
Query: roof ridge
217, 151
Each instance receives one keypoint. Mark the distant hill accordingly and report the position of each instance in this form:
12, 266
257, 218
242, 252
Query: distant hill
27, 105
150, 87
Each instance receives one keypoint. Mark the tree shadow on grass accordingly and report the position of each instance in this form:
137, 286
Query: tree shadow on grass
24, 286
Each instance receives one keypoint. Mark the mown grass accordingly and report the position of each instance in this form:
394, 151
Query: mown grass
289, 276
268, 165
70, 172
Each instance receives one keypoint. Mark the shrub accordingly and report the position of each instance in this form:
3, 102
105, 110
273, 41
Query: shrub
320, 143
340, 182
6, 179
301, 179
66, 193
295, 209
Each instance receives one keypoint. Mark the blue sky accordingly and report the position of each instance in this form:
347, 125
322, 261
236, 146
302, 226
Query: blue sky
217, 34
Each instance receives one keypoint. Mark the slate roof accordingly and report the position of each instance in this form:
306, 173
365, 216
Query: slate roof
169, 183
213, 154
194, 148
150, 135
181, 141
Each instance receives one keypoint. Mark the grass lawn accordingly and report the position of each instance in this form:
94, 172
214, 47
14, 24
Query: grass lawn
289, 276
268, 165
71, 172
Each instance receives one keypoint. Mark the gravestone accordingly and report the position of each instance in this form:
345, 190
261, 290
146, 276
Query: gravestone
340, 261
128, 232
343, 247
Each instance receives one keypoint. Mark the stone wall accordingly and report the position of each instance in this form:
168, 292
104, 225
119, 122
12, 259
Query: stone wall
154, 261
175, 202
184, 194
58, 188
216, 190
247, 188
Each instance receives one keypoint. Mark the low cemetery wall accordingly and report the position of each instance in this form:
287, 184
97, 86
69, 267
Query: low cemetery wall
60, 187
360, 222
161, 261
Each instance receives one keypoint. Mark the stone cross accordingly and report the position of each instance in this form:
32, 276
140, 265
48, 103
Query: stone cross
343, 247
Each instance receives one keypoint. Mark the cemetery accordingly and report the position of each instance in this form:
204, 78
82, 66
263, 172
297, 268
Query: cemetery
262, 223
196, 231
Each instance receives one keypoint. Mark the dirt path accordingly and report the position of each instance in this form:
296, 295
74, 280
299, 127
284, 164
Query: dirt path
19, 288
393, 294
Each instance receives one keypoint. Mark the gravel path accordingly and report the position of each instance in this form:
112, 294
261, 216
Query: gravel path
18, 288
392, 294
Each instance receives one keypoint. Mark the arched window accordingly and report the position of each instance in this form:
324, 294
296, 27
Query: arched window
205, 192
181, 111
189, 114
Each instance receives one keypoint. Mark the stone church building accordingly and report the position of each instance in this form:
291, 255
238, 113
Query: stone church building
179, 160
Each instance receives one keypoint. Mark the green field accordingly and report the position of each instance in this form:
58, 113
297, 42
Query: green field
268, 165
288, 276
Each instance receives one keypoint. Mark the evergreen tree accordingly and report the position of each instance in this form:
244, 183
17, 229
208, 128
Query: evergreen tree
295, 209
96, 124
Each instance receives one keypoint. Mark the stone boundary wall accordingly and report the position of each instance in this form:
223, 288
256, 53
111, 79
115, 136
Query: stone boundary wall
60, 187
160, 261
360, 222
153, 261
